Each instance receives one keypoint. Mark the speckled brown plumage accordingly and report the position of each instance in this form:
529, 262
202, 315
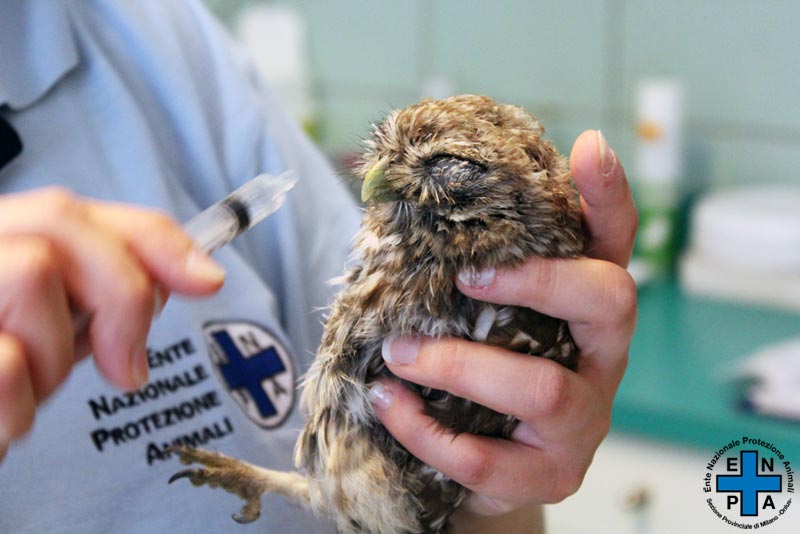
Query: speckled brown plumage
461, 184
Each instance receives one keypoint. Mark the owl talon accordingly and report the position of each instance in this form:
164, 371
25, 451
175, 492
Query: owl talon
247, 516
191, 474
222, 471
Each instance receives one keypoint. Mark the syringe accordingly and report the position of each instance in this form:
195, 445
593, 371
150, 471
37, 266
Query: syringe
219, 224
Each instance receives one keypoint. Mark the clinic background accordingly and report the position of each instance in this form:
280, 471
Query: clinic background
700, 101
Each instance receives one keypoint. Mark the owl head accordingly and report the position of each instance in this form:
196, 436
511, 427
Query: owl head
470, 181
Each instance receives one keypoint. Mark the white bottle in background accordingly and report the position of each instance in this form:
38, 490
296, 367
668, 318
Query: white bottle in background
658, 169
276, 39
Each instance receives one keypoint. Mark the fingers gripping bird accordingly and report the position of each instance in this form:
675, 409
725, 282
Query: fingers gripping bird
455, 185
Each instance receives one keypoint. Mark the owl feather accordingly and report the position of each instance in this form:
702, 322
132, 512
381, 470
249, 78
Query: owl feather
450, 186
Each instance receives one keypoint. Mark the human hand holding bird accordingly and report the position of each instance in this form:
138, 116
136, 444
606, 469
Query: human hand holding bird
563, 415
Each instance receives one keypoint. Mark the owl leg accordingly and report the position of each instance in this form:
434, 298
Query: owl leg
247, 481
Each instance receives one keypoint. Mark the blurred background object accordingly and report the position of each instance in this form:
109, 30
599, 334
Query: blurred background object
276, 38
744, 244
774, 375
700, 101
656, 175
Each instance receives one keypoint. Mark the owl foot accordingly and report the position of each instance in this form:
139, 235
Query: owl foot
247, 481
234, 476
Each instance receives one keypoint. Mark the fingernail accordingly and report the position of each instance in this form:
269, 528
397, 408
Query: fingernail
159, 300
401, 350
477, 279
608, 158
139, 367
524, 433
380, 395
485, 505
200, 265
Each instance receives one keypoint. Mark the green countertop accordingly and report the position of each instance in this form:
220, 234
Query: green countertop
677, 387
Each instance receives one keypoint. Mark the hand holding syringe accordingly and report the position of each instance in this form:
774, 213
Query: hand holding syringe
77, 276
219, 224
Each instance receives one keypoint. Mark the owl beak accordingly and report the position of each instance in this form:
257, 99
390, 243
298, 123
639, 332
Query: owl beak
374, 185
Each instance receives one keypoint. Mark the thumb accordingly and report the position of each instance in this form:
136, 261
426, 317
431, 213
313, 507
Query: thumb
609, 211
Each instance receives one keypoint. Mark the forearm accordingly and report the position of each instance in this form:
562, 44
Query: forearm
528, 520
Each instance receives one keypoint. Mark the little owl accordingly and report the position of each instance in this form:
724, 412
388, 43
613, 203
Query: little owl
455, 185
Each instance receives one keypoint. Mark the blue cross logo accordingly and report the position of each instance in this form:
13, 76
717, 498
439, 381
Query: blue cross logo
248, 373
748, 483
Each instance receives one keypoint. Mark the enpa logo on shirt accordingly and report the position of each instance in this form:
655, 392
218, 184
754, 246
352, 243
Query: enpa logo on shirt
254, 367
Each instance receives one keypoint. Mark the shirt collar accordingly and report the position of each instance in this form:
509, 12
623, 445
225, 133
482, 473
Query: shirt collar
37, 49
